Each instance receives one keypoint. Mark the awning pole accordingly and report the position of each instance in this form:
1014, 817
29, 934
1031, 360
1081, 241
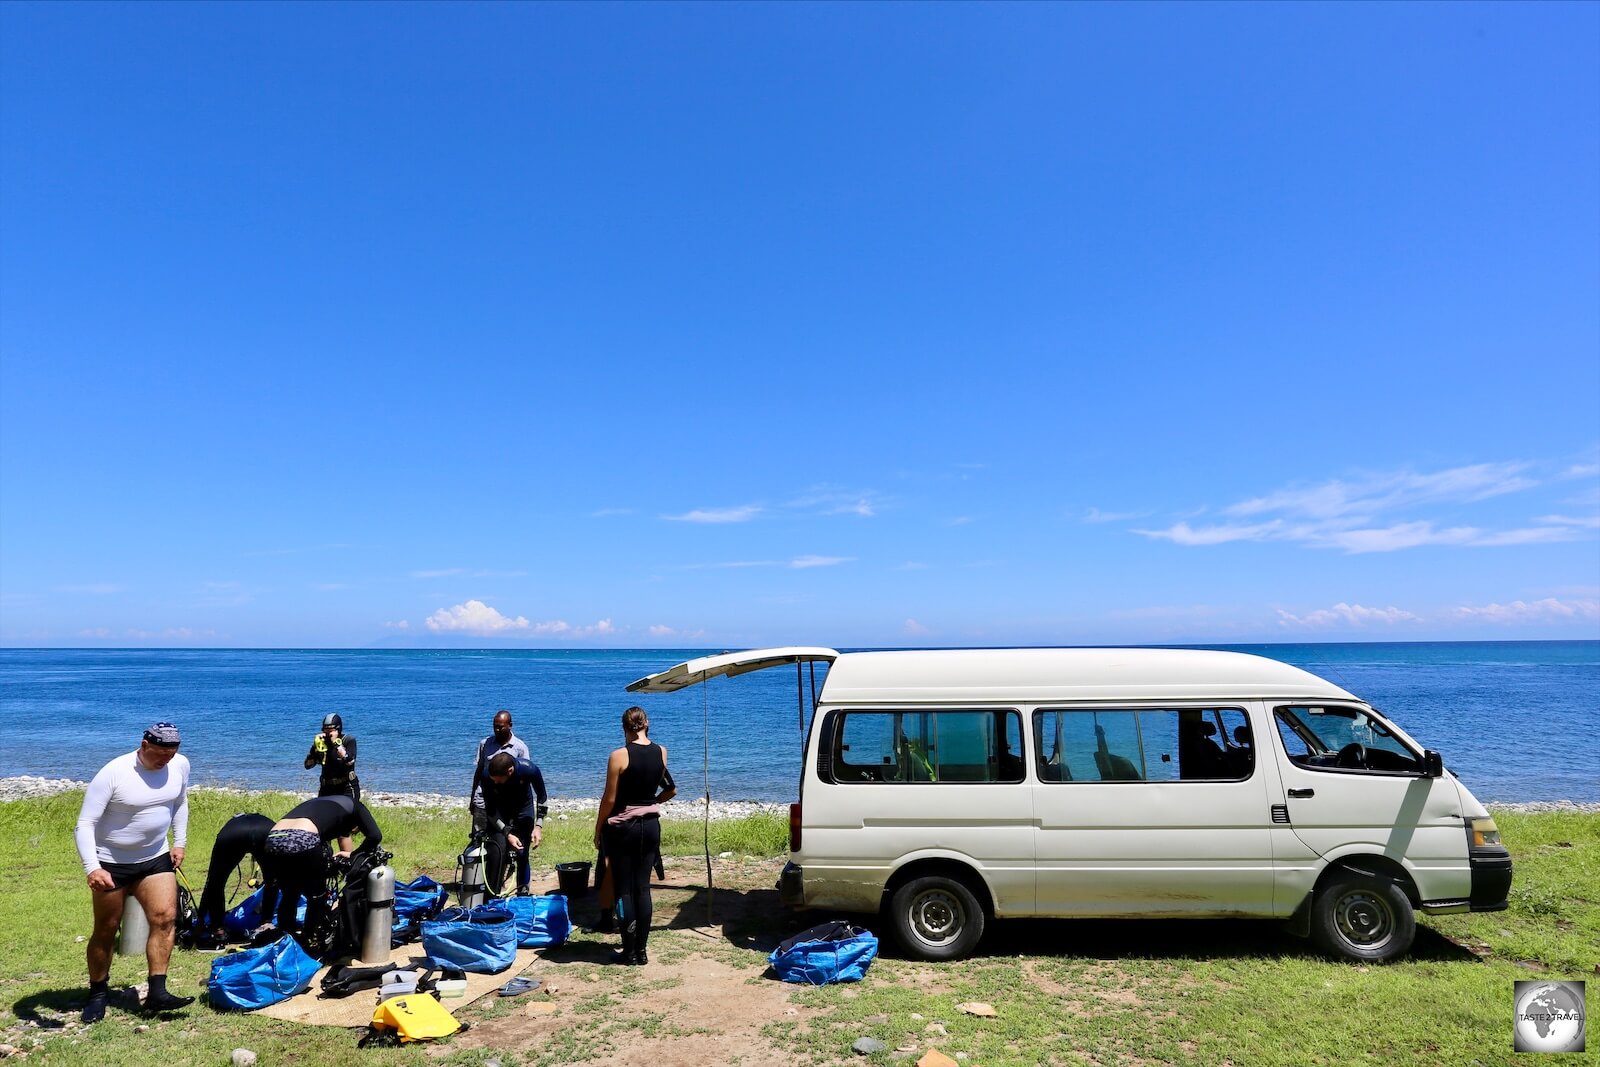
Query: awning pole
711, 885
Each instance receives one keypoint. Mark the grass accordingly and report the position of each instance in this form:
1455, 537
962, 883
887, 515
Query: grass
1066, 992
47, 910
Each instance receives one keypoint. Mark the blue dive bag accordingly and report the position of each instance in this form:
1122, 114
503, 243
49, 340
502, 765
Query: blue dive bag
415, 902
541, 921
241, 921
832, 952
482, 940
257, 977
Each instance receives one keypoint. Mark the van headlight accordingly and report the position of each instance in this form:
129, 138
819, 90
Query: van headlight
1483, 832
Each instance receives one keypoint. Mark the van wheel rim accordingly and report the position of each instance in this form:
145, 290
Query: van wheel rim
937, 917
1364, 919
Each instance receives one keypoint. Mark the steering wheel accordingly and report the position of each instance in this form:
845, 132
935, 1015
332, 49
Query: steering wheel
1353, 755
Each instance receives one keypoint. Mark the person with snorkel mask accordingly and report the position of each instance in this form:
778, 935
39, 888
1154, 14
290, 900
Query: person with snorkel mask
336, 752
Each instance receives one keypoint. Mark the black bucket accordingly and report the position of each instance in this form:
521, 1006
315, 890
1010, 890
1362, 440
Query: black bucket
574, 879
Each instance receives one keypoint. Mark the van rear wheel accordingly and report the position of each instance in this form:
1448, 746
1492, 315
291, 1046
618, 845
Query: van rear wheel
936, 918
1362, 917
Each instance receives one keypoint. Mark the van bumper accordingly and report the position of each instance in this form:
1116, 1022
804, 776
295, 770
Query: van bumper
791, 886
1491, 878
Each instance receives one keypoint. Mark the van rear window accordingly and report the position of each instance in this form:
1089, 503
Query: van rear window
928, 746
1160, 745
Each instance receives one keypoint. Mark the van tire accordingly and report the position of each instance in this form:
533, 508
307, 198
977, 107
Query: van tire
936, 917
1362, 917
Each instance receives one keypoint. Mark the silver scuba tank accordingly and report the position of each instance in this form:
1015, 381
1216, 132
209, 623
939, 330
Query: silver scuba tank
135, 929
473, 890
379, 929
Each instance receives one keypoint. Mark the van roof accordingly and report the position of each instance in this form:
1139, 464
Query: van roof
1062, 675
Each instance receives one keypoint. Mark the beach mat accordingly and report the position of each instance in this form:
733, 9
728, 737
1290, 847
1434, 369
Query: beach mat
313, 1009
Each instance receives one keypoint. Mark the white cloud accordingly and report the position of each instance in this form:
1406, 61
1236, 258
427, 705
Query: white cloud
806, 562
830, 500
1586, 522
1345, 514
742, 513
447, 572
912, 565
402, 624
96, 588
1582, 470
1549, 609
1384, 492
607, 513
1183, 534
1096, 515
99, 633
915, 629
1341, 614
458, 572
667, 631
476, 617
959, 520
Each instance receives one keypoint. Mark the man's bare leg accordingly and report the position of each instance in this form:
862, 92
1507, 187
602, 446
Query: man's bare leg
158, 895
102, 943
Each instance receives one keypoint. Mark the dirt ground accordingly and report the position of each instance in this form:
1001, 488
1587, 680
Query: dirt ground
703, 999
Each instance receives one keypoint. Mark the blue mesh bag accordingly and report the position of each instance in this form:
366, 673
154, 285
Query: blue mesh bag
241, 920
541, 921
832, 952
257, 977
482, 940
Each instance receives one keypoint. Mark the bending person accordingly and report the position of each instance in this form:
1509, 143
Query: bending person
244, 834
629, 825
122, 839
515, 805
298, 857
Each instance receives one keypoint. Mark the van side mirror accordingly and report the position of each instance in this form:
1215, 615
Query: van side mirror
1432, 763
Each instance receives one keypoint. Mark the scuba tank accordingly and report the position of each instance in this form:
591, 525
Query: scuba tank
135, 929
472, 889
379, 926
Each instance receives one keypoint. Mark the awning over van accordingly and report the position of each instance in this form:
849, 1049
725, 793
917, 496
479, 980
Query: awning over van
729, 663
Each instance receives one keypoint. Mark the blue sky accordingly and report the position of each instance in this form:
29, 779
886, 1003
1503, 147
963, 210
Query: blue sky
725, 325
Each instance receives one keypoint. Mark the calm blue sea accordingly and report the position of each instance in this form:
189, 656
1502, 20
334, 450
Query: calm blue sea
1517, 720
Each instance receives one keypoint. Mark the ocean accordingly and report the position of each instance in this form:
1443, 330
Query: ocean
1516, 720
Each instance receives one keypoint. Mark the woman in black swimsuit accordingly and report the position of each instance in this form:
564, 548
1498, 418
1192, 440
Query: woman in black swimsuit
629, 822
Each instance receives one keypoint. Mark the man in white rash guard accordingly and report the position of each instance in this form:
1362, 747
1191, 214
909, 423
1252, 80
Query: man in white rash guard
122, 840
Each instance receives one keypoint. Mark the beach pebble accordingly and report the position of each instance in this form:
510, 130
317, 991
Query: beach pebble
243, 1057
866, 1046
935, 1058
491, 1062
9, 1050
977, 1007
936, 1028
961, 1056
141, 1029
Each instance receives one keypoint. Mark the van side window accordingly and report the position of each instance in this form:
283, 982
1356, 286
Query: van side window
1336, 738
1163, 745
928, 746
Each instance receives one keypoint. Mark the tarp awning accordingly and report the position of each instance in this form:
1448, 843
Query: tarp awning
699, 670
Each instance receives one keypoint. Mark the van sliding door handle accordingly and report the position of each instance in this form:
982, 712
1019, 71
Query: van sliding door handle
1302, 792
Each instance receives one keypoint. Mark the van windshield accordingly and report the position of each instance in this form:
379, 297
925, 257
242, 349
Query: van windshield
1342, 738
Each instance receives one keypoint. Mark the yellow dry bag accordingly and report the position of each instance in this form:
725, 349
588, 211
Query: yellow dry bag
415, 1017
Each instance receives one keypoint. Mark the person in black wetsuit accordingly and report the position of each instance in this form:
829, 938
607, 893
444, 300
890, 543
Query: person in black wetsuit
244, 834
298, 855
629, 824
336, 752
514, 807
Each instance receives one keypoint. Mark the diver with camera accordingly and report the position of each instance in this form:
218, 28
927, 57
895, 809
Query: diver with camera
335, 751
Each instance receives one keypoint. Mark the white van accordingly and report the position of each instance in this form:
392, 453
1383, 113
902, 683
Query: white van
949, 787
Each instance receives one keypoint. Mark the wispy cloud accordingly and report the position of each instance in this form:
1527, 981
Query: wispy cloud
465, 572
958, 520
799, 563
1347, 515
1095, 515
1346, 615
1582, 470
96, 588
667, 631
712, 516
1550, 609
830, 500
912, 565
607, 513
399, 624
913, 628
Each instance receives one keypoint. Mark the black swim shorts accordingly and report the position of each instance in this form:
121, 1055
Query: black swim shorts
124, 875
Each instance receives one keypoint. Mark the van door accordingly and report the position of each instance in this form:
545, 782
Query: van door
1150, 811
1352, 784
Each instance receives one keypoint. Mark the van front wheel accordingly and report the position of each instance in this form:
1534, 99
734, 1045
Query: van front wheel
1361, 917
937, 918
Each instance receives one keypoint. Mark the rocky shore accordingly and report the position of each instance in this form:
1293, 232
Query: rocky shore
27, 787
